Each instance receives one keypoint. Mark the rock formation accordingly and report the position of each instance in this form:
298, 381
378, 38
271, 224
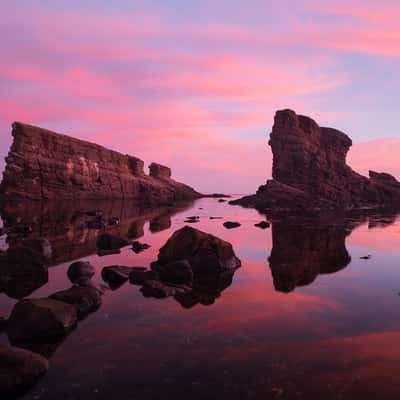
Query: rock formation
310, 172
43, 165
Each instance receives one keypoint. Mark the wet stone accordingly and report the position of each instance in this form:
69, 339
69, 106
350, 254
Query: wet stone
231, 225
80, 269
138, 247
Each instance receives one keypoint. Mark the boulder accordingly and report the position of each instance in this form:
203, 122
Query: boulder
177, 272
161, 290
110, 242
80, 269
41, 319
19, 371
85, 299
203, 252
138, 247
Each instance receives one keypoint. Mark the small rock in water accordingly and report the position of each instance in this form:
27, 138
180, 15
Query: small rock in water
138, 247
110, 242
80, 269
102, 253
139, 275
113, 221
263, 225
116, 275
221, 201
231, 225
216, 217
365, 257
19, 370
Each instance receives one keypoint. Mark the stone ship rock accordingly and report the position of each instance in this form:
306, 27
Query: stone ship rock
43, 165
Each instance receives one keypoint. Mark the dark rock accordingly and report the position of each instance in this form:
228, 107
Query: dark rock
19, 371
202, 250
310, 172
157, 289
97, 224
80, 269
3, 324
84, 299
113, 221
231, 225
116, 275
138, 247
110, 242
102, 253
366, 257
41, 319
42, 246
216, 217
218, 195
263, 225
94, 213
43, 165
139, 275
176, 272
87, 282
22, 271
221, 201
21, 229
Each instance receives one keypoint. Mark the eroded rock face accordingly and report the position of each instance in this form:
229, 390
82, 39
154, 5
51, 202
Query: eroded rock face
19, 370
310, 172
45, 165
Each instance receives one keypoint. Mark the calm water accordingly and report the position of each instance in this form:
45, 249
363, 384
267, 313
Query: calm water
304, 317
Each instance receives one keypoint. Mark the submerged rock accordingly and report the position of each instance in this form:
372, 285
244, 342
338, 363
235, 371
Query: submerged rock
116, 275
111, 242
231, 225
22, 271
139, 275
85, 299
80, 269
41, 319
19, 371
138, 247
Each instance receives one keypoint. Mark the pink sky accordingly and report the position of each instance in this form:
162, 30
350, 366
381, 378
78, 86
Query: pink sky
195, 85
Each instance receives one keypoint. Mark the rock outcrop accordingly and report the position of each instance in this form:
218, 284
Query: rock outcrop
43, 165
310, 172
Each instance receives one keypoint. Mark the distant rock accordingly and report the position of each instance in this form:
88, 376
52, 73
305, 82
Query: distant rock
80, 269
110, 242
19, 371
263, 225
84, 299
41, 319
310, 172
231, 225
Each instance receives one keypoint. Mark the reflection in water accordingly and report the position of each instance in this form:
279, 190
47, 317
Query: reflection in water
249, 344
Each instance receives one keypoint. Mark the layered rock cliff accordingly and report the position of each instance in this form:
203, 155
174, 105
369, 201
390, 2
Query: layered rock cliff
310, 172
43, 165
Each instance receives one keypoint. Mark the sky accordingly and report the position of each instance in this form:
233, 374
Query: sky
195, 84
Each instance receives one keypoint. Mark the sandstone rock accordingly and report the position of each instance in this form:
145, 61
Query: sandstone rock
310, 172
41, 319
111, 242
84, 299
231, 225
203, 251
22, 271
80, 269
43, 165
138, 247
19, 371
139, 275
116, 275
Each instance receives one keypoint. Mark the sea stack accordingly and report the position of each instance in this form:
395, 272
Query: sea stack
310, 172
44, 165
